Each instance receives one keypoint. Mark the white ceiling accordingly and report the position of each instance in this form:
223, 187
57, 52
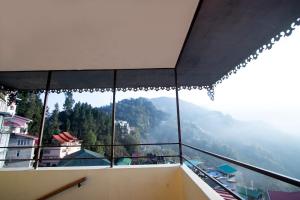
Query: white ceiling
92, 34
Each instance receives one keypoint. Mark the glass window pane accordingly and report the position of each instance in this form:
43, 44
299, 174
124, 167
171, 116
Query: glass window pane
77, 129
145, 117
22, 114
246, 183
143, 154
254, 117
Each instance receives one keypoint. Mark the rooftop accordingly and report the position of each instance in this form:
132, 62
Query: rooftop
226, 169
64, 137
90, 159
277, 195
16, 121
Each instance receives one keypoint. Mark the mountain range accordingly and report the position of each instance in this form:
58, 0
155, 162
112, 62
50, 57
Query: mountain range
253, 142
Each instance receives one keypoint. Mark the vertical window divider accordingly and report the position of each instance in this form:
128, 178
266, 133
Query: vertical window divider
113, 121
178, 117
41, 131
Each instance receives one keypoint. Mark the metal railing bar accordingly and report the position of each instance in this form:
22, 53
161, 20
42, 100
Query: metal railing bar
92, 145
18, 147
86, 158
167, 156
83, 158
265, 172
147, 144
19, 159
113, 119
42, 122
215, 180
178, 117
84, 145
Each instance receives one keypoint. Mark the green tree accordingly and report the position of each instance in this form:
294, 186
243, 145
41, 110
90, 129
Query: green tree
30, 106
69, 101
89, 138
47, 131
54, 122
99, 149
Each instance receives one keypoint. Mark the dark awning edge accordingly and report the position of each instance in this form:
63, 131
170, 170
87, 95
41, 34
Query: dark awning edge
138, 78
259, 51
8, 90
58, 91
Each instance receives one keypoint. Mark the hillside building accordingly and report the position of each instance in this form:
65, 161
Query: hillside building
65, 144
20, 140
4, 136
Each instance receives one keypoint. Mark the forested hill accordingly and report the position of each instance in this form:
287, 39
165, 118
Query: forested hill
154, 120
140, 113
252, 142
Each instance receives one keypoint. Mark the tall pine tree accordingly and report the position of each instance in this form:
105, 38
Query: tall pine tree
30, 106
69, 102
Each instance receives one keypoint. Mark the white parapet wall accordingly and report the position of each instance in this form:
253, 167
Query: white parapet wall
159, 182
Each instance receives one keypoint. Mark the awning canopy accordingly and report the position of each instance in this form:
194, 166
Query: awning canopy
227, 33
146, 40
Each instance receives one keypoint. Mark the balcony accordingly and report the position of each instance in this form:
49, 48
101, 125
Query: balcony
135, 182
122, 95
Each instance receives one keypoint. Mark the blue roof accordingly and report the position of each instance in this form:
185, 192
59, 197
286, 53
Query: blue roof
124, 161
226, 169
84, 153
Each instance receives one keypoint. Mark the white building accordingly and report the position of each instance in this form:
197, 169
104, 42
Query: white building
14, 133
123, 126
65, 144
5, 111
20, 140
16, 128
17, 124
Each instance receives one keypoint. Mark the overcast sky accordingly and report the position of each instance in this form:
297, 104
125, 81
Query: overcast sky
267, 89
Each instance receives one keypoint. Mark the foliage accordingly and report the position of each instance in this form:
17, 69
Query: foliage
30, 106
93, 125
83, 121
69, 101
139, 113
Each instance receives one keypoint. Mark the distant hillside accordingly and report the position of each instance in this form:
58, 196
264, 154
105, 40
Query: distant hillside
256, 143
252, 142
140, 113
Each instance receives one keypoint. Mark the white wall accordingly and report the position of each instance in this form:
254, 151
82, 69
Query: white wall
122, 183
192, 183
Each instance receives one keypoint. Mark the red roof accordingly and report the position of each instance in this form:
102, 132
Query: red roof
12, 124
276, 195
16, 121
69, 136
58, 138
64, 137
225, 195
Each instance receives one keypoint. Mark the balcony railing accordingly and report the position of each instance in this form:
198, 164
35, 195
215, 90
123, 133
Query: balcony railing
202, 172
38, 157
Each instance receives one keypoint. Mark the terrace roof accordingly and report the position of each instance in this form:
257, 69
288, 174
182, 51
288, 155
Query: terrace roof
277, 195
124, 161
95, 159
226, 169
16, 121
64, 137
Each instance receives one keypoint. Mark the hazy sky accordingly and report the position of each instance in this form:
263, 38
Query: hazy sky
267, 89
